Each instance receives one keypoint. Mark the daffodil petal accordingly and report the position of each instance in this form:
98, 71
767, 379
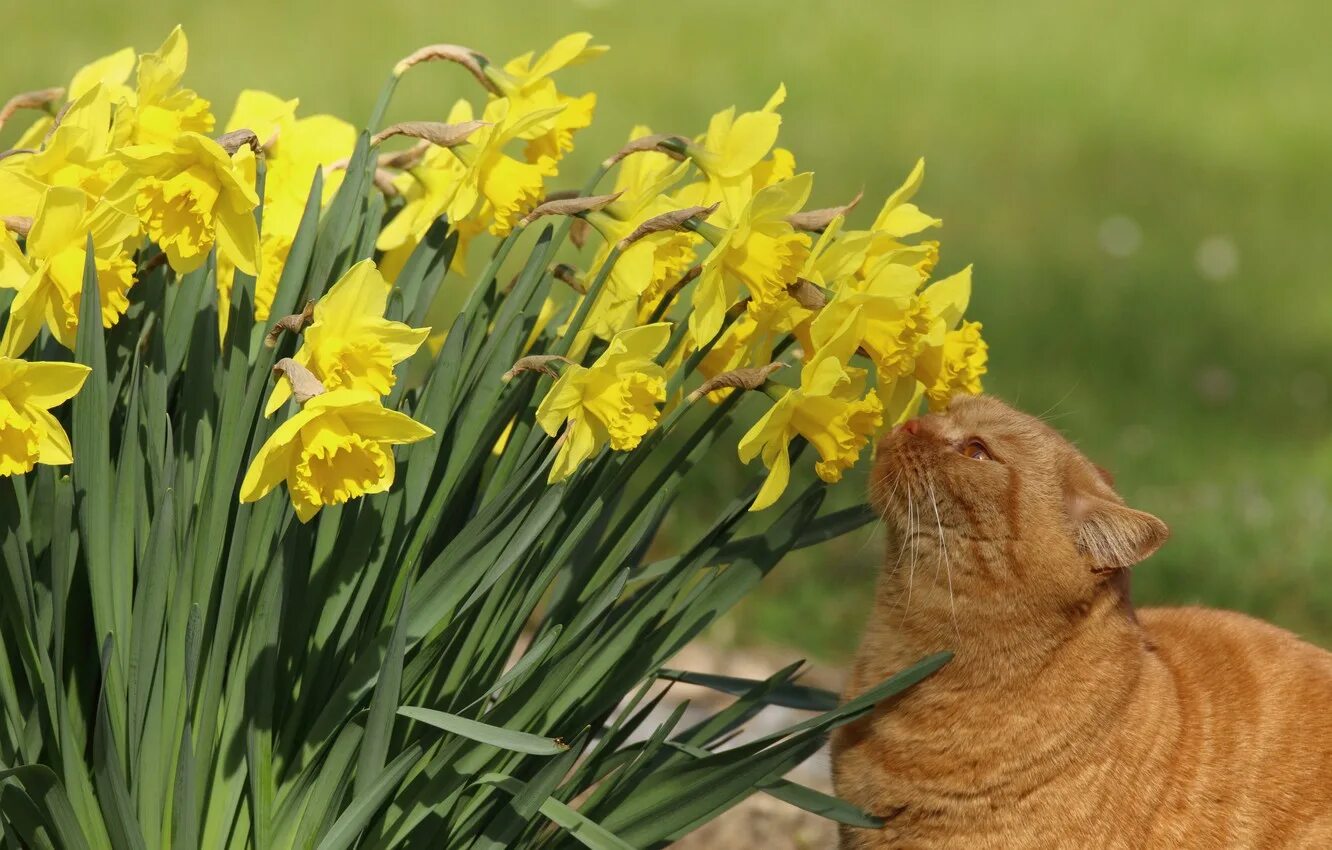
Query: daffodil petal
374, 422
49, 384
779, 475
55, 449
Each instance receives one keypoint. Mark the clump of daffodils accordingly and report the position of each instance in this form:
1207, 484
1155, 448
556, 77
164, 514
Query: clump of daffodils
702, 264
307, 424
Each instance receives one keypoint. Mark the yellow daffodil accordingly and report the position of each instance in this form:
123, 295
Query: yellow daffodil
758, 250
426, 189
955, 367
161, 109
837, 255
751, 338
891, 325
293, 149
525, 82
648, 266
612, 401
29, 434
505, 187
192, 195
944, 302
76, 155
476, 183
730, 151
337, 448
897, 220
827, 409
52, 272
899, 217
350, 344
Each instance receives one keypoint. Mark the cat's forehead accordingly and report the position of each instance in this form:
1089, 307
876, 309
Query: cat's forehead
988, 416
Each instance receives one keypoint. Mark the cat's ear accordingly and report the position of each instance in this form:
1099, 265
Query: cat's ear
1106, 475
1112, 535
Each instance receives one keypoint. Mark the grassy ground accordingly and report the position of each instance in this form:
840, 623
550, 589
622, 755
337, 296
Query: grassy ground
1143, 188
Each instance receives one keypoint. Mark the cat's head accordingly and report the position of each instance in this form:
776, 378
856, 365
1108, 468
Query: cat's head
1004, 501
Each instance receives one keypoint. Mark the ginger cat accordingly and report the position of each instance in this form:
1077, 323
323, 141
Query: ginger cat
1065, 720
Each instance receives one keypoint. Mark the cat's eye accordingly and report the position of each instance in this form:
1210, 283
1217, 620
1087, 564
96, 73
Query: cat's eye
976, 450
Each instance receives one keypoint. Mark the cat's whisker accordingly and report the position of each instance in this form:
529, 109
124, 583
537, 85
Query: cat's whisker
947, 562
1045, 417
876, 491
912, 526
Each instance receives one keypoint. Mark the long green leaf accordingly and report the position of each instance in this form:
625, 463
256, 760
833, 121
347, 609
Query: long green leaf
495, 736
364, 806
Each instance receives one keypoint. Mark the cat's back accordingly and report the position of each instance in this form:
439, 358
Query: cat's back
1249, 658
1254, 730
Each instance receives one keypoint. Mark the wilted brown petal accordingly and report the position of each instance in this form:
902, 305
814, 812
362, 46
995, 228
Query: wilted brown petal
569, 206
295, 323
817, 221
304, 385
401, 159
434, 132
535, 363
384, 182
569, 276
473, 61
807, 294
579, 230
233, 141
19, 225
737, 379
38, 99
673, 220
648, 143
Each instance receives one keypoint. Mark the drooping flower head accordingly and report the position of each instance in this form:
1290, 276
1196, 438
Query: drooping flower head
612, 401
337, 448
506, 188
649, 265
757, 251
526, 83
29, 434
161, 109
49, 278
956, 367
891, 323
75, 155
829, 409
350, 345
191, 196
731, 154
477, 184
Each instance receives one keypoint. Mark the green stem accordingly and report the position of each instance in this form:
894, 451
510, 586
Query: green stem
381, 105
565, 342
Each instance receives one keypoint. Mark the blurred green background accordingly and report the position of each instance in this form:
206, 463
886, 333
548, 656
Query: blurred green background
1143, 187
